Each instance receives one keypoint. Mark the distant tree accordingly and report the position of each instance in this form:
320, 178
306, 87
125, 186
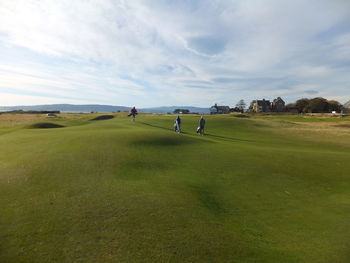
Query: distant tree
318, 105
235, 109
181, 111
290, 105
335, 106
241, 105
291, 108
302, 105
251, 104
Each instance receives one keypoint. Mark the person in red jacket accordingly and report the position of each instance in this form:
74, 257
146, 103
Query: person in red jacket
133, 113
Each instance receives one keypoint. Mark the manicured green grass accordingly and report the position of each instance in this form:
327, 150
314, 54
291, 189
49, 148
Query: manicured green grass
250, 190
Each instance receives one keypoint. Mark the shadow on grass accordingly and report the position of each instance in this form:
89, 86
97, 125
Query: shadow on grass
241, 116
227, 138
102, 117
208, 135
155, 126
167, 129
163, 141
209, 198
343, 125
45, 125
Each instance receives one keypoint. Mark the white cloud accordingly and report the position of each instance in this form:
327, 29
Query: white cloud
144, 52
7, 99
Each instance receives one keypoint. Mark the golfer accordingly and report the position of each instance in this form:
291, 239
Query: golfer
133, 113
200, 129
177, 125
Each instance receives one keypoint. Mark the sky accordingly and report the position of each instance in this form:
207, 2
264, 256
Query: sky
149, 53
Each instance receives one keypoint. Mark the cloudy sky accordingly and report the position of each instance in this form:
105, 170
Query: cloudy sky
174, 52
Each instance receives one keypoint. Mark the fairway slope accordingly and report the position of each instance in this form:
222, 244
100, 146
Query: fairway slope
249, 190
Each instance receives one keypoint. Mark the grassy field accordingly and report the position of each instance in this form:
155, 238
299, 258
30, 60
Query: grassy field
253, 189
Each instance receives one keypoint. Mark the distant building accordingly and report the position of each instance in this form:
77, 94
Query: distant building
261, 105
219, 109
278, 105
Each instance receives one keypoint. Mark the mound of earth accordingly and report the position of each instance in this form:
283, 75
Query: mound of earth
45, 125
103, 117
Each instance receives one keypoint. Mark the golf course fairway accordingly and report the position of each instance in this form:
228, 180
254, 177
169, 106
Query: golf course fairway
252, 189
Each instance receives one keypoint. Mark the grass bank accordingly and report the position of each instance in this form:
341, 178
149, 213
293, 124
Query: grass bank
250, 190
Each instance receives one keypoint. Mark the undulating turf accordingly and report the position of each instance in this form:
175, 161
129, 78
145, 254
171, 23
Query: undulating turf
253, 189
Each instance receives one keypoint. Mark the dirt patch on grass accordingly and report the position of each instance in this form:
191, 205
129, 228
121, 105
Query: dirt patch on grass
102, 117
45, 125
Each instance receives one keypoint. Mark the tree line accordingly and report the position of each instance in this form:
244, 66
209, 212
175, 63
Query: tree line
315, 105
305, 105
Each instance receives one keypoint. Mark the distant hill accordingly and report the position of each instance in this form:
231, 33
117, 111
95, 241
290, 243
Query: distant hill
68, 108
98, 108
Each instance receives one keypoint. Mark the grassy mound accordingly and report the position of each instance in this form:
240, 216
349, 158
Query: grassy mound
103, 117
249, 190
45, 125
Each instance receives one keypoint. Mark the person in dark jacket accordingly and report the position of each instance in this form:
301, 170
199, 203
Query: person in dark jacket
177, 125
133, 113
200, 129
